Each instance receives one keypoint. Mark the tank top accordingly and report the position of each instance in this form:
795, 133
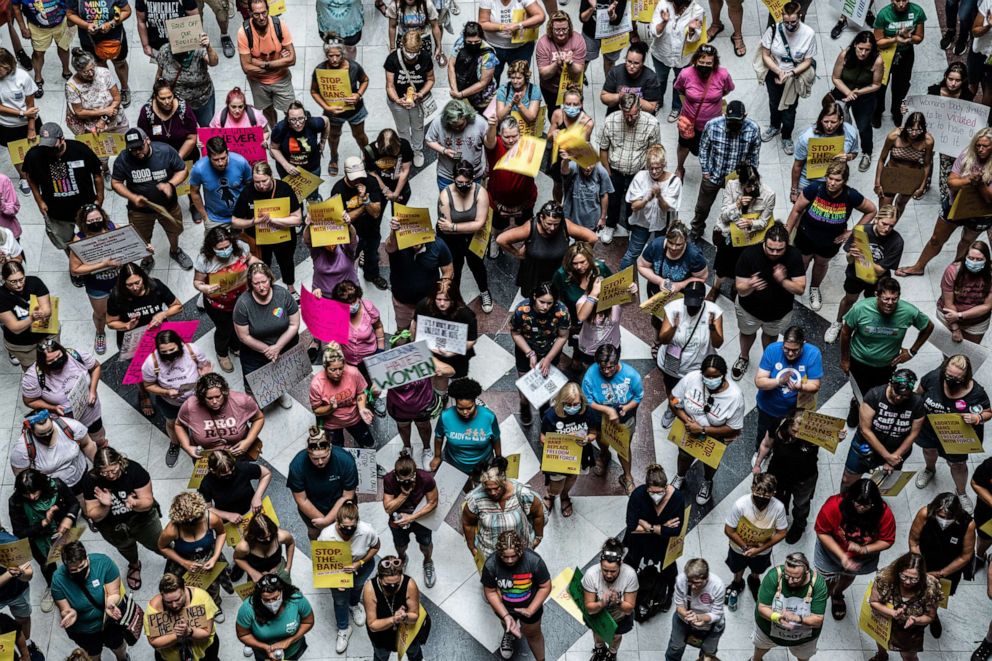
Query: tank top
197, 549
265, 563
466, 216
907, 155
940, 547
857, 77
385, 606
543, 257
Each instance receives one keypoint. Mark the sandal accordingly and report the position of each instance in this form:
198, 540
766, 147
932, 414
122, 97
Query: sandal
40, 92
566, 506
145, 402
906, 273
628, 485
838, 607
134, 576
332, 168
713, 31
740, 48
549, 504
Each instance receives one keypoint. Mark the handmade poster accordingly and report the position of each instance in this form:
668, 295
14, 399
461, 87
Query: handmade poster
559, 593
15, 554
751, 534
615, 289
480, 561
326, 319
856, 10
562, 454
690, 47
525, 157
407, 632
643, 11
565, 81
277, 7
449, 481
864, 267
741, 238
706, 449
615, 43
539, 389
55, 552
443, 335
954, 434
605, 29
50, 326
969, 203
526, 35
888, 55
656, 304
104, 145
8, 645
327, 226
774, 8
601, 623
228, 280
400, 365
676, 545
204, 579
951, 122
877, 626
415, 226
513, 466
181, 189
18, 149
945, 592
270, 381
820, 153
245, 590
303, 183
901, 179
235, 533
891, 484
822, 430
186, 330
267, 234
200, 469
368, 477
79, 396
246, 141
184, 33
531, 128
617, 436
122, 245
480, 240
329, 560
162, 624
335, 87
130, 342
573, 141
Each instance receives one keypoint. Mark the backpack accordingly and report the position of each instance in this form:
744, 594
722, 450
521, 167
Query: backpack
29, 437
251, 38
154, 356
252, 120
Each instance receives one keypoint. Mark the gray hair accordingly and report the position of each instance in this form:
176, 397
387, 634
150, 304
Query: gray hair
509, 122
456, 110
697, 568
332, 44
81, 59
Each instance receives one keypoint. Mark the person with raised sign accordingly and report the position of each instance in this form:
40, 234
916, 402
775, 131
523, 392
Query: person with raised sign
793, 464
698, 614
184, 630
219, 419
610, 586
364, 204
265, 549
337, 112
321, 478
511, 195
467, 434
788, 370
267, 54
339, 393
215, 183
409, 81
596, 328
613, 389
569, 416
675, 28
393, 601
788, 51
275, 619
17, 315
654, 196
911, 148
909, 596
857, 76
966, 294
94, 104
789, 609
588, 187
539, 328
445, 303
499, 504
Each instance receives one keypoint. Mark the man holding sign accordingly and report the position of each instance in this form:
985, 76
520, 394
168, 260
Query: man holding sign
363, 204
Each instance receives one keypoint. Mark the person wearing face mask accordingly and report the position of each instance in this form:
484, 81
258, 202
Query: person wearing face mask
471, 68
171, 372
321, 478
611, 586
462, 210
17, 315
393, 600
570, 415
539, 328
698, 615
789, 609
952, 389
560, 57
966, 294
467, 434
190, 76
364, 544
704, 86
511, 195
366, 335
615, 390
755, 524
338, 395
497, 505
93, 100
654, 196
219, 419
404, 489
458, 133
275, 619
586, 201
675, 25
409, 81
264, 549
184, 638
943, 533
908, 596
54, 446
364, 203
910, 147
420, 17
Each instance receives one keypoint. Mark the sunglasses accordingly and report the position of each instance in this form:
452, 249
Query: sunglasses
269, 582
709, 404
322, 445
390, 563
610, 556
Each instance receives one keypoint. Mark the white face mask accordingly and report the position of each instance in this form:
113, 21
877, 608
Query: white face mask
657, 497
943, 523
273, 606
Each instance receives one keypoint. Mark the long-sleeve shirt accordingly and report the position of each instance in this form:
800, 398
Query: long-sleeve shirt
763, 204
651, 547
709, 601
720, 152
9, 206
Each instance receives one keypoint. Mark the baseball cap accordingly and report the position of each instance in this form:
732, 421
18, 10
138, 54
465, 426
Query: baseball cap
134, 138
735, 110
354, 168
50, 134
693, 294
903, 381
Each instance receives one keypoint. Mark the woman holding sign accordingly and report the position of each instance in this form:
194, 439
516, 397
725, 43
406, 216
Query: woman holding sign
539, 328
909, 149
298, 143
392, 600
830, 140
218, 418
908, 596
506, 24
190, 73
93, 101
277, 617
610, 586
570, 416
17, 315
966, 294
351, 109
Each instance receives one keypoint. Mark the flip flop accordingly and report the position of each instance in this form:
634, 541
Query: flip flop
566, 507
740, 48
906, 273
713, 31
134, 576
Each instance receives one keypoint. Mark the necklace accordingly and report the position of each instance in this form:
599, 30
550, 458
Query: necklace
390, 600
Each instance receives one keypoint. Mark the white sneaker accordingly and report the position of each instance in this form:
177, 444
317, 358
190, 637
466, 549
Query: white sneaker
285, 401
832, 333
358, 615
966, 503
418, 159
342, 642
606, 235
667, 418
219, 617
923, 478
47, 603
815, 301
247, 651
705, 492
677, 482
425, 457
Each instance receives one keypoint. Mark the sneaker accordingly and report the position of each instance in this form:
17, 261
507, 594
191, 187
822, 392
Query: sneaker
837, 29
33, 652
100, 343
853, 414
380, 471
705, 493
740, 368
426, 456
249, 652
673, 116
147, 263
667, 418
769, 133
429, 577
526, 415
125, 97
606, 235
794, 535
358, 614
947, 39
984, 651
77, 281
219, 617
598, 653
226, 581
864, 163
923, 478
870, 19
418, 159
506, 645
47, 602
227, 45
733, 592
172, 455
962, 44
815, 301
13, 359
225, 363
454, 8
24, 60
342, 642
380, 283
677, 481
487, 301
788, 146
966, 503
285, 401
180, 257
24, 185
833, 332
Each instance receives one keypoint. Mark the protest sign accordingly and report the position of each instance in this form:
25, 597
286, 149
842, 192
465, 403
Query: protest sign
303, 183
78, 399
537, 388
267, 234
617, 436
407, 632
562, 454
945, 592
690, 47
951, 122
774, 8
525, 157
822, 430
335, 87
559, 593
8, 646
676, 545
277, 7
535, 127
741, 238
246, 141
605, 28
656, 304
877, 626
368, 476
480, 240
245, 590
615, 289
969, 203
401, 365
901, 180
891, 484
51, 325
181, 190
449, 481
19, 148
123, 245
615, 43
184, 33
820, 153
573, 141
203, 579
326, 319
186, 330
704, 448
200, 469
329, 560
55, 552
270, 381
236, 532
751, 534
104, 145
525, 35
954, 434
513, 466
162, 624
327, 226
601, 623
15, 554
479, 559
443, 335
566, 80
130, 343
856, 10
228, 281
415, 226
888, 55
643, 11
864, 266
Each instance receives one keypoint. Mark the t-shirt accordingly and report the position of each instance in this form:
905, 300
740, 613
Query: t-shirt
626, 581
59, 384
19, 304
725, 408
469, 144
158, 12
386, 166
892, 422
791, 597
801, 45
890, 21
245, 206
583, 203
971, 291
199, 601
619, 81
703, 97
355, 76
172, 131
14, 90
577, 425
267, 322
66, 181
547, 52
773, 517
503, 13
224, 428
362, 340
691, 339
61, 459
519, 584
826, 216
352, 200
411, 17
830, 521
344, 394
423, 485
233, 493
221, 190
983, 478
156, 299
193, 84
142, 176
540, 330
181, 374
244, 122
651, 216
773, 302
935, 400
300, 148
266, 47
89, 618
413, 75
100, 12
364, 538
677, 270
284, 625
468, 442
886, 251
47, 13
414, 271
625, 386
778, 401
875, 338
131, 479
323, 486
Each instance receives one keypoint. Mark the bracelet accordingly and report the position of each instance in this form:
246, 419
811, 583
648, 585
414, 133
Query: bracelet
776, 617
531, 353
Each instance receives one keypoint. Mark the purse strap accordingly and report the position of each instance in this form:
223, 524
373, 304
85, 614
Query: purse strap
694, 327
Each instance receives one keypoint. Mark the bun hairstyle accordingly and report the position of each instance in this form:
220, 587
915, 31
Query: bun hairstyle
612, 551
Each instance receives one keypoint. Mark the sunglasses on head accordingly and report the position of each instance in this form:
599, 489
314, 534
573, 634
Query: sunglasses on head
269, 582
320, 445
610, 556
390, 563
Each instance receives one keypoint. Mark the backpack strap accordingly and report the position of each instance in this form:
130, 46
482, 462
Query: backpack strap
66, 429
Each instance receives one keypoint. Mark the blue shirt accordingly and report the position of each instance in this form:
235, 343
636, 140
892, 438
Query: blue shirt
777, 402
676, 270
624, 387
323, 486
89, 619
43, 13
802, 149
220, 190
468, 442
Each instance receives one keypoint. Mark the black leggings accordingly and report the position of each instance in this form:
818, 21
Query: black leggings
284, 253
225, 338
458, 245
47, 570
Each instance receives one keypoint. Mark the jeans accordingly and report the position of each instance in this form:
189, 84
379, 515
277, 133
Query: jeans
639, 237
662, 71
899, 81
369, 238
205, 112
862, 111
283, 253
616, 208
225, 338
409, 124
506, 55
704, 202
681, 631
801, 493
458, 245
965, 11
344, 598
780, 119
359, 431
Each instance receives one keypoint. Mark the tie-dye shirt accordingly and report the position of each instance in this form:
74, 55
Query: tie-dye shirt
517, 585
826, 216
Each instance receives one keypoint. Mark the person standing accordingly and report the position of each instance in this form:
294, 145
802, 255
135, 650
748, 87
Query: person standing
43, 23
654, 197
788, 51
674, 25
857, 76
391, 600
151, 18
561, 49
321, 478
788, 369
102, 35
704, 85
632, 77
789, 609
191, 639
458, 133
409, 80
413, 272
267, 54
698, 612
215, 184
353, 112
404, 489
18, 113
511, 195
611, 586
364, 204
899, 24
908, 596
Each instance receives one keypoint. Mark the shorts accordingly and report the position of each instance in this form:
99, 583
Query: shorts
424, 415
758, 564
809, 246
748, 324
403, 314
353, 40
26, 354
803, 650
95, 426
144, 222
828, 567
219, 7
93, 643
864, 463
592, 50
854, 286
401, 536
9, 134
276, 95
692, 144
20, 606
63, 34
358, 117
979, 327
60, 232
533, 619
928, 443
625, 625
168, 410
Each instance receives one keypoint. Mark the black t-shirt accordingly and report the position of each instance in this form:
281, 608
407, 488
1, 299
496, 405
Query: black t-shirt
132, 478
142, 176
826, 216
892, 422
983, 478
300, 148
773, 302
65, 182
589, 27
157, 299
935, 400
355, 75
517, 585
886, 251
418, 72
9, 624
19, 304
793, 460
245, 206
618, 81
351, 199
234, 493
386, 166
158, 12
413, 271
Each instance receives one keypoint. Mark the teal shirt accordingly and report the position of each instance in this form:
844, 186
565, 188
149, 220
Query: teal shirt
889, 21
877, 339
89, 619
284, 625
467, 442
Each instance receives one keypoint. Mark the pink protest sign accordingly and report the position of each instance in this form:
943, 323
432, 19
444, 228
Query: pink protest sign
186, 330
246, 141
327, 320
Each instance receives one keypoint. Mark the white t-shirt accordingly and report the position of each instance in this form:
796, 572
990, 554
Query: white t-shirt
363, 539
651, 216
692, 338
592, 581
14, 89
983, 44
727, 407
8, 244
181, 374
62, 459
802, 43
772, 517
500, 12
668, 46
709, 601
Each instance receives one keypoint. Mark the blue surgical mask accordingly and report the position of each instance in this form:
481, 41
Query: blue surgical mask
225, 253
571, 409
572, 111
714, 383
974, 265
355, 307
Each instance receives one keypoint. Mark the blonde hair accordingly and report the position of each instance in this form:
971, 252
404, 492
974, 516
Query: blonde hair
412, 41
655, 154
886, 211
332, 353
187, 507
569, 393
969, 160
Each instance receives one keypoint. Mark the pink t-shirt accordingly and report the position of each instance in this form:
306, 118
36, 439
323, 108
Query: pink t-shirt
345, 393
361, 338
548, 51
972, 292
215, 429
243, 123
181, 374
58, 385
692, 86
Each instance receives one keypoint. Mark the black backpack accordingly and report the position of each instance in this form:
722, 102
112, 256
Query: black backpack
251, 39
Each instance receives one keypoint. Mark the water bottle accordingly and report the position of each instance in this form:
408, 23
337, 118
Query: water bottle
396, 517
277, 655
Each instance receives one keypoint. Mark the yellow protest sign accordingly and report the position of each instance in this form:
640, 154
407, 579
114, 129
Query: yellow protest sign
183, 188
199, 470
656, 304
55, 552
327, 226
819, 153
643, 10
615, 289
945, 592
236, 532
891, 484
104, 145
244, 590
51, 326
480, 240
526, 35
706, 449
954, 435
8, 644
15, 554
407, 632
573, 141
531, 128
751, 534
415, 226
877, 626
480, 560
334, 86
525, 157
822, 430
888, 54
864, 267
513, 466
329, 560
18, 149
304, 183
266, 234
741, 238
676, 545
277, 7
987, 528
562, 454
204, 579
559, 592
775, 8
227, 281
163, 623
615, 43
690, 47
566, 80
617, 436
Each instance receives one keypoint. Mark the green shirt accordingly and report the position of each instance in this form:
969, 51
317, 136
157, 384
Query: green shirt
889, 21
569, 292
876, 339
793, 600
283, 626
89, 618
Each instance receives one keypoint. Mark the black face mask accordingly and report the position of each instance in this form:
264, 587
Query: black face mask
953, 382
761, 502
463, 187
79, 576
59, 362
692, 311
44, 439
347, 532
171, 356
472, 49
703, 71
390, 588
94, 227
